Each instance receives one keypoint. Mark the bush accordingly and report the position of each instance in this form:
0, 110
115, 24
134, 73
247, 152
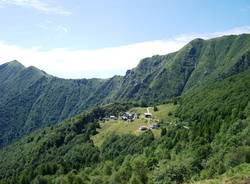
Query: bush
238, 156
40, 180
172, 173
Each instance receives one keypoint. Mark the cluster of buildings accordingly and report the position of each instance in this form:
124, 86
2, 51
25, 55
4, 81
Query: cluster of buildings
127, 116
130, 116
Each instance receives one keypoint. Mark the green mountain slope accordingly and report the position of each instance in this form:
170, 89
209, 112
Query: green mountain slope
57, 144
209, 136
162, 77
31, 98
8, 70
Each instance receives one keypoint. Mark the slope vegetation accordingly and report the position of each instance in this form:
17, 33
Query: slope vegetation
31, 99
209, 138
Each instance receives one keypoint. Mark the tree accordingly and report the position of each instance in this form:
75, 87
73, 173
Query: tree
156, 108
163, 131
139, 165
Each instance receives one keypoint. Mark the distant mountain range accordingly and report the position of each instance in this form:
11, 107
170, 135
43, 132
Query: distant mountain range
31, 99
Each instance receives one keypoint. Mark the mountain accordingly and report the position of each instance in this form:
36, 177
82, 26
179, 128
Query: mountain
162, 77
204, 122
31, 99
202, 136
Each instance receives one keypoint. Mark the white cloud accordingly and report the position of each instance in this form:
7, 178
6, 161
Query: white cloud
51, 26
64, 29
38, 5
103, 62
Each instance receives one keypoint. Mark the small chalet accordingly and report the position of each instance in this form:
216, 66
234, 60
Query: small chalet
154, 126
148, 115
143, 128
113, 117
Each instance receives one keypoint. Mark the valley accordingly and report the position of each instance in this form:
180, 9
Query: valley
58, 131
31, 99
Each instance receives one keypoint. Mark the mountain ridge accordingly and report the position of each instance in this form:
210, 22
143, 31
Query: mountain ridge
31, 99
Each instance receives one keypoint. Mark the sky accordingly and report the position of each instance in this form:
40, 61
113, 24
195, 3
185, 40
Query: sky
102, 38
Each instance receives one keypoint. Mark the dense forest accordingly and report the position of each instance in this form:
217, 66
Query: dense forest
216, 142
208, 81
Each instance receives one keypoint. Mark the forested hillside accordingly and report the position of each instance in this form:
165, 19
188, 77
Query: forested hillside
31, 99
210, 137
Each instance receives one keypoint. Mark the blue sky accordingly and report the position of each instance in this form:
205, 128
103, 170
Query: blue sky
81, 29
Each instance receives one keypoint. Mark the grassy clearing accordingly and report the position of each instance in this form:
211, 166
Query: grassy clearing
123, 127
